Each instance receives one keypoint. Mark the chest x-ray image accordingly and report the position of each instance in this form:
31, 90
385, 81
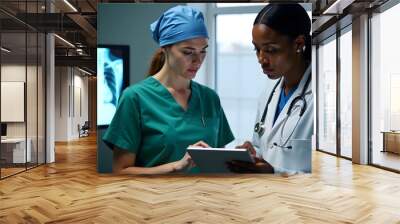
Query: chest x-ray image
109, 83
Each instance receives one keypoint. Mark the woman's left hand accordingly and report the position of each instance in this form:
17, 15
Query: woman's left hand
260, 166
185, 163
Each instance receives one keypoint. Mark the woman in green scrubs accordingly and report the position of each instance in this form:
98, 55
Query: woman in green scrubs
159, 117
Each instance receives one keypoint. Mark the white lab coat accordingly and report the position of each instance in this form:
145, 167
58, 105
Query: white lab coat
297, 159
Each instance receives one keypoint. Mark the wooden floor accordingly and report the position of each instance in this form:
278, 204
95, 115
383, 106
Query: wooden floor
5, 172
71, 191
9, 171
387, 159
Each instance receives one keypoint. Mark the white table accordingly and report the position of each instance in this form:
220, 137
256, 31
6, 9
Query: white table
18, 149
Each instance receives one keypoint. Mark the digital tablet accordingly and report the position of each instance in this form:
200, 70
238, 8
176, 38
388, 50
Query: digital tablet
213, 160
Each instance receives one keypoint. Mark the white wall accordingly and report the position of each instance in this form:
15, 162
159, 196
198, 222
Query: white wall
80, 100
16, 73
13, 72
71, 94
61, 103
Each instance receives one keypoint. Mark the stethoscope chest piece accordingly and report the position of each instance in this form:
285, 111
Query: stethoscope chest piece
259, 128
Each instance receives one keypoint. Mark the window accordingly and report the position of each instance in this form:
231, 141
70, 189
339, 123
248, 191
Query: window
385, 89
327, 95
239, 79
345, 93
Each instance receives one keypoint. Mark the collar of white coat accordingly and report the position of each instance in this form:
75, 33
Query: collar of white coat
275, 100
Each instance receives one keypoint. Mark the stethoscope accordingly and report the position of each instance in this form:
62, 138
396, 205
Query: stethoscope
259, 127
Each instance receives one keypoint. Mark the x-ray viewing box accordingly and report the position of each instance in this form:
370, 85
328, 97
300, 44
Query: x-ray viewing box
213, 160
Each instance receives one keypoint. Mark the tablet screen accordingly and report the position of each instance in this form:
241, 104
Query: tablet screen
213, 160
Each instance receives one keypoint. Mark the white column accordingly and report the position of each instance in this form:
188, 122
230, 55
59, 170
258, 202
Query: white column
62, 103
50, 101
50, 92
360, 90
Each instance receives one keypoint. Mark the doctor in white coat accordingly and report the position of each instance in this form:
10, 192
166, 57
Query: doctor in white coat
284, 124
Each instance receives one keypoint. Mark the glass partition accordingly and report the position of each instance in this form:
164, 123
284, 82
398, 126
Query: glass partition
31, 98
22, 90
41, 91
13, 113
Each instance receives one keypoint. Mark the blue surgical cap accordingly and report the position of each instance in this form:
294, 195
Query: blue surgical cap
178, 24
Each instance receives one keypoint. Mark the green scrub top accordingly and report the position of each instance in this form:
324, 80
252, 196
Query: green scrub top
151, 124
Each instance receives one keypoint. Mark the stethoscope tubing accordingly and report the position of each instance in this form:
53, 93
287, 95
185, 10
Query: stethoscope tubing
259, 129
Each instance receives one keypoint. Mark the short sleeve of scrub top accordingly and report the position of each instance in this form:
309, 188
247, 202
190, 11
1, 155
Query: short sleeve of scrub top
151, 124
124, 130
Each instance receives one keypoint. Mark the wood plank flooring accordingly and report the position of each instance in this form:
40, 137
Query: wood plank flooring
71, 191
10, 171
387, 159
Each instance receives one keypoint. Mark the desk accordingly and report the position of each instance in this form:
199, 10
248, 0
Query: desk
391, 141
15, 148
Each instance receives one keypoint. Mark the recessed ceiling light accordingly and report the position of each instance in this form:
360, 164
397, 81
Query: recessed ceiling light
70, 5
337, 7
5, 50
84, 71
64, 40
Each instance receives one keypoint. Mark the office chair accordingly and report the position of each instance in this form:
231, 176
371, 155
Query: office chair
84, 130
